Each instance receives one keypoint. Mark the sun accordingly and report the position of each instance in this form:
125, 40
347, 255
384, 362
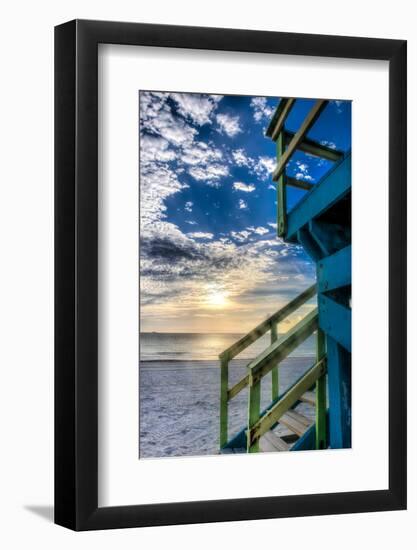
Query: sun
217, 298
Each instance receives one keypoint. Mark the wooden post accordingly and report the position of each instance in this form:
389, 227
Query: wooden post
339, 377
321, 404
254, 411
274, 372
224, 383
281, 191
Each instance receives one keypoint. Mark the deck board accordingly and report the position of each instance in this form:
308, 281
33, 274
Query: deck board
309, 397
270, 442
293, 424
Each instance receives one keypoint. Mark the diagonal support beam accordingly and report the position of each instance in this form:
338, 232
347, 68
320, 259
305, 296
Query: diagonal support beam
271, 417
299, 184
315, 148
278, 118
299, 136
278, 351
281, 120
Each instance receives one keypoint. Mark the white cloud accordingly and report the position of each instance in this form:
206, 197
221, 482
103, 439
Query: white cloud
210, 173
200, 235
155, 149
273, 225
240, 236
302, 171
261, 109
245, 187
264, 167
197, 107
189, 206
242, 204
156, 117
330, 144
241, 158
198, 153
228, 124
261, 230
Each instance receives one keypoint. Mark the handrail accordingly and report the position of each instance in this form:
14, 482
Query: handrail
262, 365
276, 352
291, 396
266, 325
315, 148
226, 393
310, 119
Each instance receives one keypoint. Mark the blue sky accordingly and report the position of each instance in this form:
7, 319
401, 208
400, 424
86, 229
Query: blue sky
210, 257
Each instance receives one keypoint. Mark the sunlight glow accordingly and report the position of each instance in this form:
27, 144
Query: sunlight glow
217, 298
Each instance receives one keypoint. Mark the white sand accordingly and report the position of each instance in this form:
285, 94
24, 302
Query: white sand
179, 404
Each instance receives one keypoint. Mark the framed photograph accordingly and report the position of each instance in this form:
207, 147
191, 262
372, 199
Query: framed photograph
230, 247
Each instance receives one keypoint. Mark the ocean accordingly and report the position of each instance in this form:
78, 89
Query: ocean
162, 346
179, 386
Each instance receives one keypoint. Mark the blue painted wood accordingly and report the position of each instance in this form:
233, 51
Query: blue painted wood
332, 188
330, 237
309, 244
335, 271
307, 441
339, 386
238, 441
335, 320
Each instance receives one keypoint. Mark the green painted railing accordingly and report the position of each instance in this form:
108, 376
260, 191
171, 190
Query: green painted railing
287, 143
267, 362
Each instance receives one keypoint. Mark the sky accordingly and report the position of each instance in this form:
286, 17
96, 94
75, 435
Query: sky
210, 258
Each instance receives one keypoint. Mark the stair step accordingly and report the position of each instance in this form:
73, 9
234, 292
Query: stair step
300, 418
309, 397
270, 442
283, 432
293, 422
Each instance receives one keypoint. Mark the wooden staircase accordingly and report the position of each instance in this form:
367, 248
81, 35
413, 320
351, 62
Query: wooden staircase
321, 223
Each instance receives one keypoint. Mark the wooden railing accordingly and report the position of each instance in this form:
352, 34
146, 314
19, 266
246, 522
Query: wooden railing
258, 427
287, 143
266, 362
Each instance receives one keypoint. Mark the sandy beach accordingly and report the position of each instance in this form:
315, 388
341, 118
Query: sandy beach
179, 404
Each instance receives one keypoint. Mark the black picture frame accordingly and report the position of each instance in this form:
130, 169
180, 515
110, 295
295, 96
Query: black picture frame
76, 272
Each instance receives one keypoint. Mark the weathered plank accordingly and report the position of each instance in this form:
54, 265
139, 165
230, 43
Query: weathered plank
270, 442
254, 411
238, 387
278, 351
315, 148
274, 372
335, 271
299, 184
310, 119
309, 397
273, 415
321, 399
339, 380
224, 381
299, 418
331, 188
283, 116
281, 192
330, 236
277, 120
336, 321
293, 424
